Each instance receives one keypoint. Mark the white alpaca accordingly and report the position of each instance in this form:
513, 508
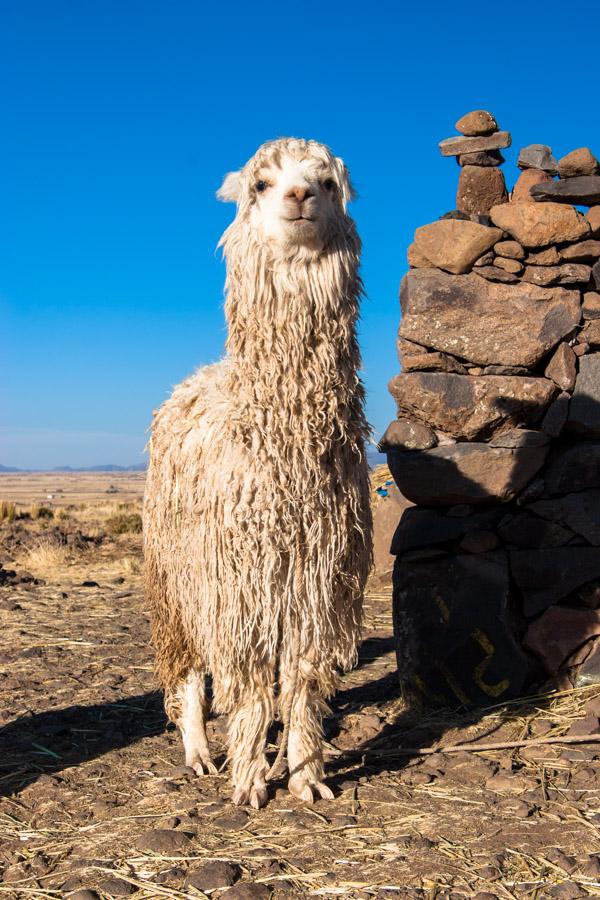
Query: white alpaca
257, 524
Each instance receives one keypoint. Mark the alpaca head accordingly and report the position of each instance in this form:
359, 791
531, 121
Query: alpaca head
291, 196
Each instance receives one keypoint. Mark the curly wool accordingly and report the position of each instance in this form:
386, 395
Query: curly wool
257, 459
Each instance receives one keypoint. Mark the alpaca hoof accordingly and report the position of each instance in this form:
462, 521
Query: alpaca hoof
203, 766
303, 790
254, 796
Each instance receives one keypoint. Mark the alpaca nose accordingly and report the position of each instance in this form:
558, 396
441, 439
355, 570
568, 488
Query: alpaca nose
298, 193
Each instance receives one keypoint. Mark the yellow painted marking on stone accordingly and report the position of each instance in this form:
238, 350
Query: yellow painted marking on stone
492, 690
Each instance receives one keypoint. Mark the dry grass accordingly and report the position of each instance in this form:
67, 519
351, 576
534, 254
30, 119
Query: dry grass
48, 557
40, 512
8, 511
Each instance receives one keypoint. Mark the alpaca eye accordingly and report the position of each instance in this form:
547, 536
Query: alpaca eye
329, 184
260, 186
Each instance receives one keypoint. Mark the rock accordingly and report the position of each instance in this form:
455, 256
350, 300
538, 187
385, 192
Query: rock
477, 122
214, 875
182, 771
584, 410
526, 180
479, 189
422, 527
117, 887
590, 334
509, 265
505, 370
566, 890
407, 348
519, 437
480, 158
471, 408
492, 273
450, 646
235, 820
464, 473
579, 511
558, 632
586, 251
555, 419
406, 434
539, 224
486, 260
454, 244
584, 190
162, 840
562, 368
509, 250
591, 305
435, 361
248, 891
416, 259
591, 868
567, 274
578, 162
457, 145
587, 725
548, 257
580, 349
386, 514
479, 542
593, 219
83, 894
575, 468
483, 322
596, 275
537, 156
546, 576
528, 531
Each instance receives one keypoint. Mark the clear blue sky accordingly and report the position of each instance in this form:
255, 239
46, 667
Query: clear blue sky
119, 120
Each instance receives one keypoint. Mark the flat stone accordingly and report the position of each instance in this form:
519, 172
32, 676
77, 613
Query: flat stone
454, 244
234, 820
492, 273
406, 434
509, 265
248, 891
471, 408
481, 158
584, 411
416, 259
458, 145
477, 122
509, 250
546, 576
590, 334
578, 162
593, 219
519, 437
579, 511
117, 887
591, 305
472, 473
452, 648
214, 875
562, 368
486, 260
480, 188
484, 322
433, 362
548, 257
559, 631
526, 180
162, 840
537, 156
529, 531
566, 274
575, 468
505, 370
584, 190
420, 527
539, 224
479, 541
586, 251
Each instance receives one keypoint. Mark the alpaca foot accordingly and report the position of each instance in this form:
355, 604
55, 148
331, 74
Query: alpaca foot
302, 788
201, 763
254, 795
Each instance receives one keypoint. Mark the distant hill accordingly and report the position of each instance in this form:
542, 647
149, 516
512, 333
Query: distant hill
110, 467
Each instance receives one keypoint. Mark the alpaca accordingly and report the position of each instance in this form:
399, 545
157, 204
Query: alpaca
257, 523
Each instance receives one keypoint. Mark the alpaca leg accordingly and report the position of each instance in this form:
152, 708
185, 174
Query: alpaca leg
305, 742
247, 742
189, 709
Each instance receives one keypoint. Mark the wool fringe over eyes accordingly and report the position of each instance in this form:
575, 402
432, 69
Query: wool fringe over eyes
256, 459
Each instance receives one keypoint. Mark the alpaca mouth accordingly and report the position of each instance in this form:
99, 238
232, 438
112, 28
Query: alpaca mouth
300, 219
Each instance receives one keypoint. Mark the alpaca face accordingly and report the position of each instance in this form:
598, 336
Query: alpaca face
292, 194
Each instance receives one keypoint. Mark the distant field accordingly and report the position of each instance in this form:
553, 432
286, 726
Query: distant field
62, 488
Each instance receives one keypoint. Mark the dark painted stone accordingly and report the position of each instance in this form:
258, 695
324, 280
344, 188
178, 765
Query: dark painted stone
575, 468
451, 647
584, 190
546, 576
584, 409
420, 527
579, 511
525, 531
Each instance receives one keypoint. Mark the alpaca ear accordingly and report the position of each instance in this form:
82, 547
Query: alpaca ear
348, 191
231, 188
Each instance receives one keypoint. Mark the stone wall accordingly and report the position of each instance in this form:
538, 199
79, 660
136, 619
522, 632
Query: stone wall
497, 440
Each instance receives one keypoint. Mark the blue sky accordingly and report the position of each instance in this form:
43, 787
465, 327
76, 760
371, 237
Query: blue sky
119, 120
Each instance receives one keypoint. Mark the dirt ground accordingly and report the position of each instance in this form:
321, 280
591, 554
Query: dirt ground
95, 802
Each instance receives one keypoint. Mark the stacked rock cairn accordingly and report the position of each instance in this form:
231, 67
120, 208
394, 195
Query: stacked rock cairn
497, 440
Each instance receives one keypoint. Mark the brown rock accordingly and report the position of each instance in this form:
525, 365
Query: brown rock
548, 257
584, 190
586, 725
581, 349
580, 511
539, 224
117, 887
454, 244
509, 265
406, 434
547, 576
477, 122
591, 305
578, 162
519, 437
416, 258
590, 333
493, 273
510, 250
526, 181
464, 473
593, 219
483, 322
458, 145
213, 875
481, 158
486, 260
386, 514
408, 348
479, 189
559, 631
562, 368
434, 362
162, 839
584, 410
586, 251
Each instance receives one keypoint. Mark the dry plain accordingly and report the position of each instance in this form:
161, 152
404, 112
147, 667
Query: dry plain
93, 797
